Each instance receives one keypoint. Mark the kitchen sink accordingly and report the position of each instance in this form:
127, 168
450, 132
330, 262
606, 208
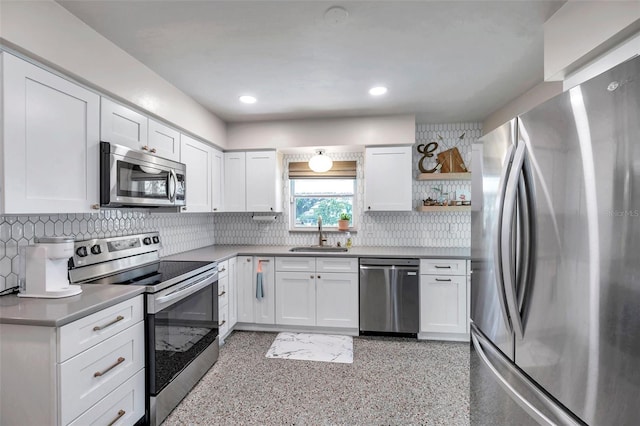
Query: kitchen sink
319, 248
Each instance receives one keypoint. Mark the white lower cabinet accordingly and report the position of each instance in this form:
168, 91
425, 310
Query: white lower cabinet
443, 298
314, 295
252, 309
58, 381
296, 298
233, 292
337, 300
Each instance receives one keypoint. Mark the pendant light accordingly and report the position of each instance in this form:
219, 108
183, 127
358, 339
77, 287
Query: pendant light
320, 162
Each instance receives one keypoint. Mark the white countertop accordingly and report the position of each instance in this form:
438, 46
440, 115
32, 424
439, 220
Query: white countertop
222, 252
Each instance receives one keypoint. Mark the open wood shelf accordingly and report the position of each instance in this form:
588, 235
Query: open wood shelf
444, 208
445, 176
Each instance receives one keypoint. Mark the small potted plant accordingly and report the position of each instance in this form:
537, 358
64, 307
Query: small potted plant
343, 222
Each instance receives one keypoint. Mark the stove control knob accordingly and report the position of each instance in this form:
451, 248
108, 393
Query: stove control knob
156, 240
81, 251
146, 241
96, 249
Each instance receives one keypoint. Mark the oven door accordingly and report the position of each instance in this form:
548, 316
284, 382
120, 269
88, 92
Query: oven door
182, 321
130, 178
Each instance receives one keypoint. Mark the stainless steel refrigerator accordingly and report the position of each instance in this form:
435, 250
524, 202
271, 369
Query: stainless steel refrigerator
555, 287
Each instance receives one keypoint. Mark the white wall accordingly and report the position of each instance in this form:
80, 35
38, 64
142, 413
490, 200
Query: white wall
581, 30
385, 130
49, 33
523, 103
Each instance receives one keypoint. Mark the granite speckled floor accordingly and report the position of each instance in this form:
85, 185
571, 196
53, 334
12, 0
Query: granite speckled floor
391, 382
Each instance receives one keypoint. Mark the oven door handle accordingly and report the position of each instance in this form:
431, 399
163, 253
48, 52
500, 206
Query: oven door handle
184, 291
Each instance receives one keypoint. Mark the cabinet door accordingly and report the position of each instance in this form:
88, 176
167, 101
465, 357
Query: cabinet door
51, 141
387, 179
265, 307
295, 298
233, 292
235, 182
246, 288
164, 141
217, 181
337, 300
443, 303
263, 182
197, 156
123, 126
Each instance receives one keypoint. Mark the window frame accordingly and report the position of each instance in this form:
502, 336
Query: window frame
292, 203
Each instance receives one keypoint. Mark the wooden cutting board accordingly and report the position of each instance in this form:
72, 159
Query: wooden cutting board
451, 161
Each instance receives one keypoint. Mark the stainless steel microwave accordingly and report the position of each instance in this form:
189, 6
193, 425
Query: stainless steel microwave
130, 178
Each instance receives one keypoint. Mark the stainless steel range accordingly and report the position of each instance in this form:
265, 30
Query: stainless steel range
181, 310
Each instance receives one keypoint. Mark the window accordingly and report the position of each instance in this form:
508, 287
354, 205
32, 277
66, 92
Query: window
327, 198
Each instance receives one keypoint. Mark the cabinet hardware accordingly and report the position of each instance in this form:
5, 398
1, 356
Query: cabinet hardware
440, 279
95, 206
319, 276
145, 148
215, 209
248, 260
153, 150
222, 294
102, 373
120, 414
222, 270
101, 327
311, 277
184, 209
264, 261
442, 267
222, 323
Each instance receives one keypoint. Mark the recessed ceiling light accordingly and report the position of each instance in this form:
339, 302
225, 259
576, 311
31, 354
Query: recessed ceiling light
378, 90
246, 99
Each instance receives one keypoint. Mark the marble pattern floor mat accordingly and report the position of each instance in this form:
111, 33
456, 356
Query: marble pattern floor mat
312, 347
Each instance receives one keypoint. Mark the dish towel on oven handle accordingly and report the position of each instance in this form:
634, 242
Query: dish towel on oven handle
259, 287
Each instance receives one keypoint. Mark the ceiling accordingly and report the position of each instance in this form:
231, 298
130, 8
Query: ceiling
444, 61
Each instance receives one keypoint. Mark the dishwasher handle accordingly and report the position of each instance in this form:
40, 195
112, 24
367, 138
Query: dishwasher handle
389, 262
410, 269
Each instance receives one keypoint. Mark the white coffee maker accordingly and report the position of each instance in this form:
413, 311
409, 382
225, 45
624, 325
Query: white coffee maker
46, 269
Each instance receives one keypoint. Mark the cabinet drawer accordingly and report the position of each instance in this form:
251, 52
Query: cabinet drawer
123, 406
223, 269
87, 378
443, 267
223, 320
223, 292
93, 329
336, 264
295, 264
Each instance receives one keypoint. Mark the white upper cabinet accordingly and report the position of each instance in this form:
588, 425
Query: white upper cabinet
50, 143
235, 182
197, 156
123, 126
264, 192
217, 184
163, 141
387, 179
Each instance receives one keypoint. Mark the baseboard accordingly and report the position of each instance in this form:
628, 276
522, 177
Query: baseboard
295, 329
447, 337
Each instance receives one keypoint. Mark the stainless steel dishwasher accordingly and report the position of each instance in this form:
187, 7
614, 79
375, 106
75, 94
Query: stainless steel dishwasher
389, 296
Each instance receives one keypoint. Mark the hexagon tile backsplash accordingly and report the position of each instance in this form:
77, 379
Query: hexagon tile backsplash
178, 232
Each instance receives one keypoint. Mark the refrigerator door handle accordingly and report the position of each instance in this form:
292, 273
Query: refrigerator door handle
480, 342
527, 207
507, 240
497, 257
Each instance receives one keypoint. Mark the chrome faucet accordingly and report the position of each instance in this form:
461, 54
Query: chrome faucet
321, 240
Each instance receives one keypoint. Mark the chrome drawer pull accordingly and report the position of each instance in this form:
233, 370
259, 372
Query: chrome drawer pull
102, 373
439, 279
442, 267
120, 414
222, 294
101, 327
222, 323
